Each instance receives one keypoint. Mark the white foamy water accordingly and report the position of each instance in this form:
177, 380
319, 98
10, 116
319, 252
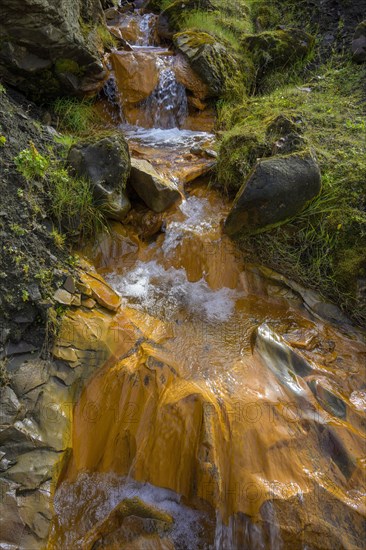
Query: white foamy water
96, 495
166, 292
167, 105
199, 220
167, 138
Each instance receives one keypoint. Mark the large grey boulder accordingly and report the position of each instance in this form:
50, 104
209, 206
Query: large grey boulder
48, 48
105, 162
359, 43
276, 189
158, 193
208, 58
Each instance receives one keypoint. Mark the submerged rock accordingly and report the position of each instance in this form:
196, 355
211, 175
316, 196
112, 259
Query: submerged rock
277, 189
157, 192
359, 43
50, 48
105, 162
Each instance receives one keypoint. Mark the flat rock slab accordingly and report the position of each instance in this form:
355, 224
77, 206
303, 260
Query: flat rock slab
101, 291
276, 190
157, 192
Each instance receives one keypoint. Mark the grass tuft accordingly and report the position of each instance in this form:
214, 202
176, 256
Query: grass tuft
75, 116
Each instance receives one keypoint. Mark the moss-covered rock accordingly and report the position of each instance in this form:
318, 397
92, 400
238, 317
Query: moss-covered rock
105, 162
208, 58
279, 48
47, 48
239, 151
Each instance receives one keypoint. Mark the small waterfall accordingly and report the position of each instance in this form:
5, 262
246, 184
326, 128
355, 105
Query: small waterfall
146, 26
110, 93
167, 106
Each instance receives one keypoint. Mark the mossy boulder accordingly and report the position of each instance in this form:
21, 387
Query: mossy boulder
208, 58
278, 48
105, 162
276, 190
49, 48
238, 153
359, 43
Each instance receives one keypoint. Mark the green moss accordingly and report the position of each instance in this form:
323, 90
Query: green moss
238, 153
67, 66
195, 39
278, 48
107, 40
75, 115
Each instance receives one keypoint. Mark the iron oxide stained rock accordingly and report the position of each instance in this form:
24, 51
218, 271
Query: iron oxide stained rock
157, 192
101, 291
276, 189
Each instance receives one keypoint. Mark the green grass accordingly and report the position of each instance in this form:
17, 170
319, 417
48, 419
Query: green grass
322, 247
208, 22
72, 205
75, 116
70, 200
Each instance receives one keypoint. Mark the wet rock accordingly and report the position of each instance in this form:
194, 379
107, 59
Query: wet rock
14, 533
33, 468
30, 375
208, 58
20, 438
105, 162
89, 303
158, 193
35, 510
50, 49
276, 190
287, 364
69, 284
328, 398
137, 75
190, 80
359, 43
124, 510
101, 291
11, 408
64, 297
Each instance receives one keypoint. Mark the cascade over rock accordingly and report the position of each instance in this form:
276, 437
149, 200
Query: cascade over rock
192, 401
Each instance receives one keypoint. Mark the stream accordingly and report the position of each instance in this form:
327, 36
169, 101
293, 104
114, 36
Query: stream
236, 420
